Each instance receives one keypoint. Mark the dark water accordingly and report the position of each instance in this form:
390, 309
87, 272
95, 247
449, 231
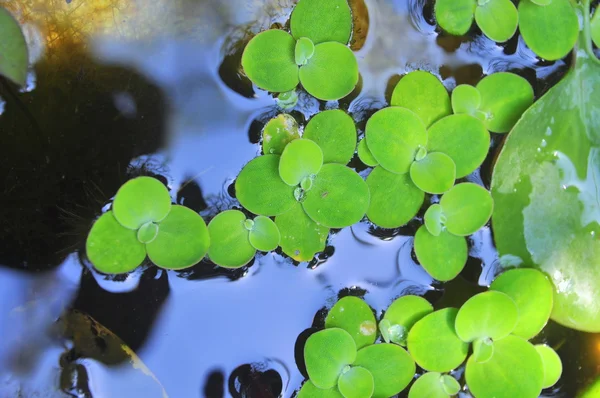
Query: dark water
123, 88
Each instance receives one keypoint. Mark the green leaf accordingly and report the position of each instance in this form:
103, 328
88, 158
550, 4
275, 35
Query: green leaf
185, 230
357, 382
433, 342
435, 219
434, 385
462, 137
497, 19
365, 155
434, 174
504, 98
595, 27
147, 232
394, 135
279, 132
443, 256
305, 49
545, 189
264, 234
326, 354
301, 237
515, 370
300, 159
334, 131
14, 58
490, 314
230, 246
424, 94
141, 200
455, 16
467, 207
533, 293
551, 363
268, 60
483, 349
395, 199
322, 20
332, 72
550, 31
465, 99
401, 316
355, 317
112, 248
260, 189
339, 197
309, 390
391, 366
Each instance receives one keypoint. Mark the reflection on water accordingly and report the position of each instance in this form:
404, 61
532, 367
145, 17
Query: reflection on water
128, 87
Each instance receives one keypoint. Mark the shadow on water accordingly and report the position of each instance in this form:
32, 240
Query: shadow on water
166, 96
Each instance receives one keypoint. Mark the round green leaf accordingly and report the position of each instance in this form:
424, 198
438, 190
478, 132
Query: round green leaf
322, 21
300, 159
534, 295
141, 200
490, 314
395, 199
434, 174
394, 135
309, 390
332, 72
147, 232
465, 99
550, 31
260, 189
515, 370
326, 354
334, 131
365, 155
305, 49
357, 382
268, 60
355, 317
467, 207
391, 366
483, 350
433, 343
301, 237
551, 363
112, 248
279, 132
339, 197
264, 235
443, 256
455, 16
434, 385
595, 27
497, 19
230, 246
504, 98
400, 317
13, 47
435, 219
182, 240
462, 137
424, 94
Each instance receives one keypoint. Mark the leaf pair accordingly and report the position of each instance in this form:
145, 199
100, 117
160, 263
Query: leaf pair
236, 239
143, 222
549, 27
314, 54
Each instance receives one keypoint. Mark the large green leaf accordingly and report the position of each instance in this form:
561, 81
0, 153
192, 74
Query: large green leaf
443, 256
545, 190
434, 174
498, 19
300, 159
279, 132
467, 207
268, 60
334, 131
322, 20
14, 56
357, 382
231, 247
141, 200
455, 16
263, 233
326, 354
401, 316
355, 317
434, 385
301, 237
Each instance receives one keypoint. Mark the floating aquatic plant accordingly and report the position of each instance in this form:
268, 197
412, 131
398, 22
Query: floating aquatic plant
314, 54
434, 385
143, 222
14, 57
